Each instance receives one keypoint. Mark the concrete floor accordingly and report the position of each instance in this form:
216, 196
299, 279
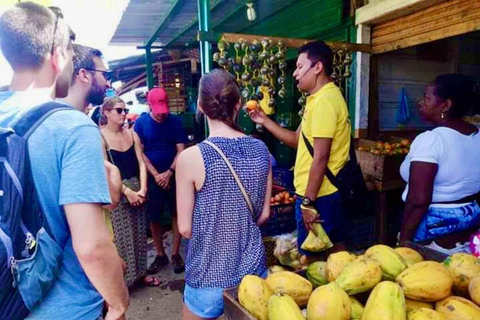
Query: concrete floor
164, 302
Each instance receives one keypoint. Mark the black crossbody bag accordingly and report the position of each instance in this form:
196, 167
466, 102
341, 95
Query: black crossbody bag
349, 181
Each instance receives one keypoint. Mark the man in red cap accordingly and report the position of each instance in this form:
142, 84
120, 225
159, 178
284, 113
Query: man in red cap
163, 138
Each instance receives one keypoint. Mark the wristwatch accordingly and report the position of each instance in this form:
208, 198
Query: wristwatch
307, 202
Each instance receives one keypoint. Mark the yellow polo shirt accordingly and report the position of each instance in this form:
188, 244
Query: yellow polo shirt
326, 116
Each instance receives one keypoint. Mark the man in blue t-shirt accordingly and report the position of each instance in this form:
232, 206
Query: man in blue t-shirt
163, 139
67, 167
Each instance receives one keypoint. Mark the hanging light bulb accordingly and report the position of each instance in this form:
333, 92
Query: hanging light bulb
251, 14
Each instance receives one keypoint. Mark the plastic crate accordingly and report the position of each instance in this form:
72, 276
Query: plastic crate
359, 233
269, 244
283, 177
282, 220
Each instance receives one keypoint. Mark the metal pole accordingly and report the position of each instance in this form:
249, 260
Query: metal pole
148, 62
205, 46
204, 26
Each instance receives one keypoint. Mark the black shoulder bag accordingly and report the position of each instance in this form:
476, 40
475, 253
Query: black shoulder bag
349, 180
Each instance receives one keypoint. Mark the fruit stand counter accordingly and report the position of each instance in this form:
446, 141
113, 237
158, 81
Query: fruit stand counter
234, 311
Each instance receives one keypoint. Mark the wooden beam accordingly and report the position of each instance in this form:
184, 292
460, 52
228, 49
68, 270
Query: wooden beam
374, 108
132, 83
419, 17
362, 83
381, 11
177, 4
295, 43
448, 31
454, 17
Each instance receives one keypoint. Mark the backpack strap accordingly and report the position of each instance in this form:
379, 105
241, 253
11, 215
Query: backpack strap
34, 117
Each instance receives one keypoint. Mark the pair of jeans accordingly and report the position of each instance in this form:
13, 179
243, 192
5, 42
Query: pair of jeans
441, 220
206, 302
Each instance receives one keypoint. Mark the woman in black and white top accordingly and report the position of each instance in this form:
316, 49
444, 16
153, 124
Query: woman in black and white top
443, 166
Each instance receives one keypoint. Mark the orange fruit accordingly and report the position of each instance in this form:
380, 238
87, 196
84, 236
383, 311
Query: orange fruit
405, 142
252, 105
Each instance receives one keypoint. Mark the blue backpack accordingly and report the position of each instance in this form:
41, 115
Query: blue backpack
29, 256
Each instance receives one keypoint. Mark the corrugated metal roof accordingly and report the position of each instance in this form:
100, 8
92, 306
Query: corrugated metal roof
142, 18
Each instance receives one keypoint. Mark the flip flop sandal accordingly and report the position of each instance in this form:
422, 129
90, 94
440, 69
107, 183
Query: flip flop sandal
150, 282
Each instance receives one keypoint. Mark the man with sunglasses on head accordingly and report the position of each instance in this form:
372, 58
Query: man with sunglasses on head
67, 167
326, 127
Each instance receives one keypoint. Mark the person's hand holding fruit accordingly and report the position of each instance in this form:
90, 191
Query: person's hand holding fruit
255, 112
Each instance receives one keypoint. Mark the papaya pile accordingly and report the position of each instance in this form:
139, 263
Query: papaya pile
382, 284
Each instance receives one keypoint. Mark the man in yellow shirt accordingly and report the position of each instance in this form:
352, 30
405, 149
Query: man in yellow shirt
326, 126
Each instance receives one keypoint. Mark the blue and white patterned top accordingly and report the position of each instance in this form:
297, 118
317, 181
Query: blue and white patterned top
226, 243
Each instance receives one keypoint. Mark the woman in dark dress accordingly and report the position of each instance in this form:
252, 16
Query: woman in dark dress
122, 147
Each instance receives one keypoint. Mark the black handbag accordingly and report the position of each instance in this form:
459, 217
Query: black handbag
349, 181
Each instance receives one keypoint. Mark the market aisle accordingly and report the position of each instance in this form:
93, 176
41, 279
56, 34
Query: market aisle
164, 302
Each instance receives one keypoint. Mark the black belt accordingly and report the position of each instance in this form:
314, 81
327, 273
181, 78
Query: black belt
468, 199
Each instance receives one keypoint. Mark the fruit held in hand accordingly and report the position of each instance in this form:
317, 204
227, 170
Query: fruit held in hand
252, 105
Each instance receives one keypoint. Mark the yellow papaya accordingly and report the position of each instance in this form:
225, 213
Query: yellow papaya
386, 302
458, 308
319, 242
425, 314
336, 262
274, 269
474, 290
463, 267
356, 310
253, 294
329, 302
412, 305
391, 262
426, 281
292, 284
283, 307
409, 255
359, 276
316, 273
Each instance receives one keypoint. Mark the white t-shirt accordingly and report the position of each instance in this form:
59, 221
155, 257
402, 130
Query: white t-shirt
458, 159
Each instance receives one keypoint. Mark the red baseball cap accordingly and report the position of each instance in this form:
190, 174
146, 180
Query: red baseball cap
157, 99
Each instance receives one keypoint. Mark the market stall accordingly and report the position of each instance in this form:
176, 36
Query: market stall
412, 43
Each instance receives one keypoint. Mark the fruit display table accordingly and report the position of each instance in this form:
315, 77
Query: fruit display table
234, 311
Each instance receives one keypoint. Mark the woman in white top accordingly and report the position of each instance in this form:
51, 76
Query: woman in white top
443, 166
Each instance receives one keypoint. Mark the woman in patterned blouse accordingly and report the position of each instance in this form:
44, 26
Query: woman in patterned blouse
225, 240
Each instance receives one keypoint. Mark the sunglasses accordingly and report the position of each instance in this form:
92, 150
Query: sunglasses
107, 74
120, 110
58, 14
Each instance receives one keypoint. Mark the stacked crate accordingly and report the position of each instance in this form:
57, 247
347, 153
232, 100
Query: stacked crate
174, 85
176, 100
